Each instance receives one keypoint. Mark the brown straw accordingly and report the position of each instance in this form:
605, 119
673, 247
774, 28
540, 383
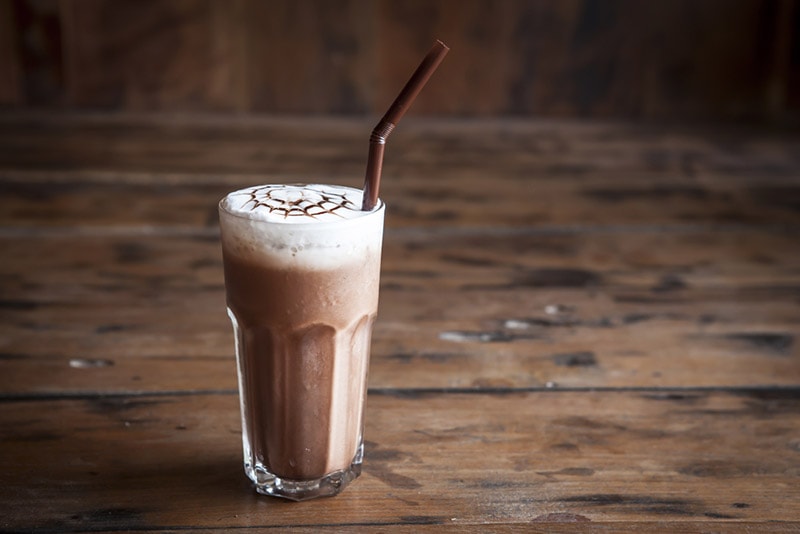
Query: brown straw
377, 141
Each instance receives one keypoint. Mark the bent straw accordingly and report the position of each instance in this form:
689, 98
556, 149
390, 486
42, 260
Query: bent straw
377, 140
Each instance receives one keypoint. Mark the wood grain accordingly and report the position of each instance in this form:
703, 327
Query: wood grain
457, 310
95, 171
151, 461
307, 57
717, 59
554, 150
414, 202
176, 55
616, 350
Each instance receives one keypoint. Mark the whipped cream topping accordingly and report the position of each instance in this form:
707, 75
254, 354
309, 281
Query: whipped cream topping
300, 226
296, 203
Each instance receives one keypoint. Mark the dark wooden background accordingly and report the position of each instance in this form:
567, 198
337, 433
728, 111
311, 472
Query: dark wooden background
681, 59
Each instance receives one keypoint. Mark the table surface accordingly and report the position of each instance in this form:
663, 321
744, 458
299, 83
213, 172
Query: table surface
589, 323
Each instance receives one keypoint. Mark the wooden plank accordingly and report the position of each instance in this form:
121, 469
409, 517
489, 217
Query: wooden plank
627, 263
559, 150
102, 173
157, 146
668, 348
352, 56
585, 309
521, 150
156, 462
176, 55
307, 57
581, 59
413, 202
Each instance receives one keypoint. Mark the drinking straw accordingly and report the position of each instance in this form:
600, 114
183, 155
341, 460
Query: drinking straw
377, 140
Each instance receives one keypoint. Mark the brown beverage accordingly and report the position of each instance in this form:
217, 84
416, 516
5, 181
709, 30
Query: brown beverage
302, 266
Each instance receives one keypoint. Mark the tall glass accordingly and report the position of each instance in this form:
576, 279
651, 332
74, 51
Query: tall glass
302, 295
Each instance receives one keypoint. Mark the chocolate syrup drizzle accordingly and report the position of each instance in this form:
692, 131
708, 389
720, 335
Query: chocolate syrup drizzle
329, 203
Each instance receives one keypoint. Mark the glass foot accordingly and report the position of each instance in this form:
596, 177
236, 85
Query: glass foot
331, 484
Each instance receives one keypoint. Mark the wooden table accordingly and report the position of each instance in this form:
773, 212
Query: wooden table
579, 323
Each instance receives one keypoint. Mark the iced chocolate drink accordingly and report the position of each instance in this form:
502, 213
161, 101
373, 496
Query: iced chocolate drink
302, 265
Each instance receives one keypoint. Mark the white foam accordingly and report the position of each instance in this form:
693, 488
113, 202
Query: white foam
296, 203
253, 230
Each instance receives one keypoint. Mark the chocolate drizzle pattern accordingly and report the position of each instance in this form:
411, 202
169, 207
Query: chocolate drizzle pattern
312, 202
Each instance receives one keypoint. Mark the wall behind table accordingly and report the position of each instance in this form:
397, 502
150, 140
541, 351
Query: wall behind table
693, 59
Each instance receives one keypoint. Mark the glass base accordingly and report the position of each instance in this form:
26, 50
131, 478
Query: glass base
267, 483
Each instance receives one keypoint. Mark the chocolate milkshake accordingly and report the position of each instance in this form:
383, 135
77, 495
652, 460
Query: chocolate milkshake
302, 266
